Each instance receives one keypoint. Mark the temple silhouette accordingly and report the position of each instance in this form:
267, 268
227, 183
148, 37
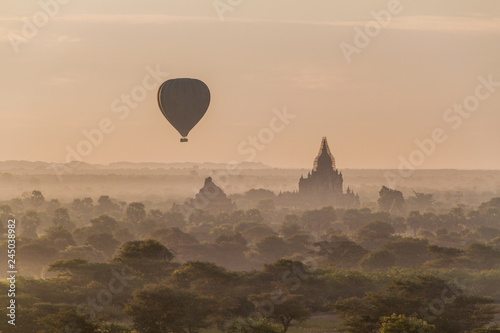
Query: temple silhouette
323, 186
324, 179
210, 198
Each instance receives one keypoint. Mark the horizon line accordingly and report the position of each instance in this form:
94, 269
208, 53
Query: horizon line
246, 162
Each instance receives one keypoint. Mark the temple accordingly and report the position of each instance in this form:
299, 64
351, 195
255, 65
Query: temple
323, 186
324, 179
210, 198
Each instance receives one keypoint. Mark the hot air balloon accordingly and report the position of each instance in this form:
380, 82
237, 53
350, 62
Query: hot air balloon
183, 102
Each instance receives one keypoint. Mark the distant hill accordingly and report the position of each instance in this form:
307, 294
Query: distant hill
185, 165
6, 166
20, 165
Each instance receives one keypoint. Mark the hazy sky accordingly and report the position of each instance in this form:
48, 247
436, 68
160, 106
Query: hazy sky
70, 74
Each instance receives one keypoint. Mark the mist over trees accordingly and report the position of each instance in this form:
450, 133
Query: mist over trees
404, 261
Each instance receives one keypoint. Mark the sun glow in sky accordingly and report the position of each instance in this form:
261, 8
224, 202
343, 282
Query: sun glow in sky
67, 77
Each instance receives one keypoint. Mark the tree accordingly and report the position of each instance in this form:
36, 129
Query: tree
37, 199
415, 221
157, 308
298, 243
254, 231
290, 225
174, 219
144, 250
430, 298
318, 220
488, 233
30, 221
80, 235
266, 205
36, 255
204, 277
17, 205
355, 218
104, 223
259, 194
5, 212
208, 279
374, 234
61, 219
391, 200
103, 242
457, 215
272, 248
27, 318
199, 216
278, 268
114, 328
173, 237
289, 307
443, 256
136, 212
106, 206
253, 215
86, 252
81, 271
5, 215
157, 215
291, 219
341, 252
489, 213
68, 320
402, 323
288, 230
123, 235
253, 326
381, 259
421, 201
483, 256
408, 251
83, 208
59, 237
233, 238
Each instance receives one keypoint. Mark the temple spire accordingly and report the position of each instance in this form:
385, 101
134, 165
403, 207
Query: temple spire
325, 159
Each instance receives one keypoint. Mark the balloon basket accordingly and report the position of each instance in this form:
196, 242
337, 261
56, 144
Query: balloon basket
184, 140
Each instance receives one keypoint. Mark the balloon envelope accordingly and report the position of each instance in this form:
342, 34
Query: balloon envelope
183, 102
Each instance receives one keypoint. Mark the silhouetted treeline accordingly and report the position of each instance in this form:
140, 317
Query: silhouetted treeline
107, 265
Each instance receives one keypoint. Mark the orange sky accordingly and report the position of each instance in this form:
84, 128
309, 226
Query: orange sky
67, 76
